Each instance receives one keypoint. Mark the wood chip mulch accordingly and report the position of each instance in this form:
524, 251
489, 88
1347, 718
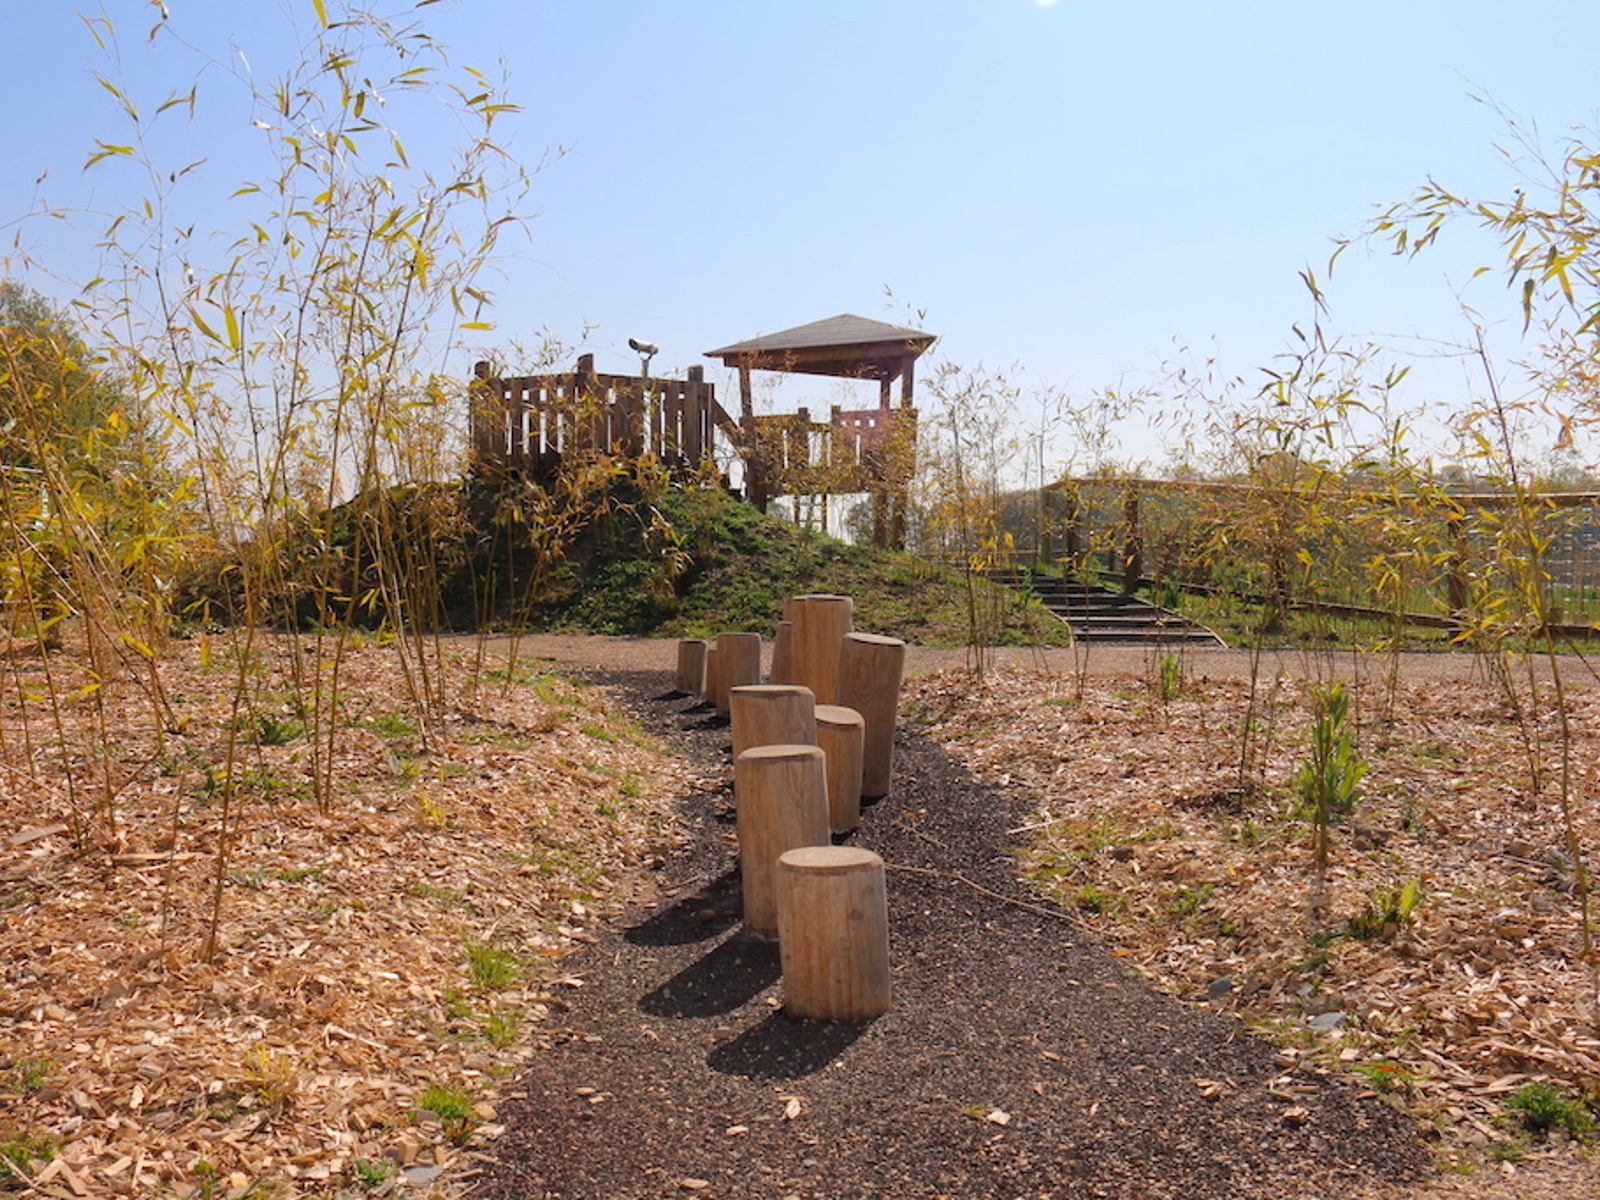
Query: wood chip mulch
1084, 1033
291, 1062
1208, 889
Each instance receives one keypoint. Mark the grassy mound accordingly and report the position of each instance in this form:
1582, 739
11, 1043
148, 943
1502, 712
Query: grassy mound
625, 555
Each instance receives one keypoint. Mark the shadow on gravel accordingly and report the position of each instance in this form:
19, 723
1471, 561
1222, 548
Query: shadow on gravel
727, 978
707, 913
783, 1048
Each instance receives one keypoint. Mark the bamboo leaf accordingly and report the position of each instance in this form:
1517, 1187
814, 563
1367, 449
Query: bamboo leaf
201, 325
107, 151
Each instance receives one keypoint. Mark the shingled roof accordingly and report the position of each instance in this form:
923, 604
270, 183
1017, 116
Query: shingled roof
846, 345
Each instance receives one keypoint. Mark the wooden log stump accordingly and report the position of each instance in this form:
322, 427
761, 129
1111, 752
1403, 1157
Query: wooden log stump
691, 666
870, 668
772, 714
782, 798
782, 668
713, 674
738, 664
841, 734
833, 933
820, 624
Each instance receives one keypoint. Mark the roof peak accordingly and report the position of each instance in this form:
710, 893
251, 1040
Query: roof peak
846, 329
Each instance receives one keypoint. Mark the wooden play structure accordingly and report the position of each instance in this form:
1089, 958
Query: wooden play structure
870, 450
530, 424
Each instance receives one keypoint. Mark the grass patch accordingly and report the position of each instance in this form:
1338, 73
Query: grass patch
20, 1152
450, 897
300, 874
492, 968
392, 724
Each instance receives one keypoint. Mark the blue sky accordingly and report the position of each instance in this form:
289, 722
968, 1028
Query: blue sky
1077, 190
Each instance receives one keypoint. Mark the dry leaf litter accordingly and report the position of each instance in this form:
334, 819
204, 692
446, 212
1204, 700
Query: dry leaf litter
291, 1062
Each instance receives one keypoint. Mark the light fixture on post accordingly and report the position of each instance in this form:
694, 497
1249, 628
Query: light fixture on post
646, 351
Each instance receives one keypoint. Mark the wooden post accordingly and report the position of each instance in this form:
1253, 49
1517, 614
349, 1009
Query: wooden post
766, 714
870, 668
515, 403
820, 623
691, 666
782, 669
833, 933
905, 455
713, 675
486, 416
738, 664
755, 465
1456, 568
782, 802
632, 406
590, 424
841, 734
1074, 520
696, 425
1132, 543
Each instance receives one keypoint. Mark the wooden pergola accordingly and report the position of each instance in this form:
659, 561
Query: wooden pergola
881, 442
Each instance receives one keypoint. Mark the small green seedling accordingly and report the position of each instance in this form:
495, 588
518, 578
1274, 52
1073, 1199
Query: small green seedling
1329, 781
1543, 1108
452, 1106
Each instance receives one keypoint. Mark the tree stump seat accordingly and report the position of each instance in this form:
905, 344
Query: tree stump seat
833, 933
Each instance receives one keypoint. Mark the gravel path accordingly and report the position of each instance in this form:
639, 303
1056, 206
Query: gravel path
660, 654
1018, 1060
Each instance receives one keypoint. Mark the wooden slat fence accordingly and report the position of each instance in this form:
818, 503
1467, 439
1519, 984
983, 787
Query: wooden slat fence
1435, 555
533, 422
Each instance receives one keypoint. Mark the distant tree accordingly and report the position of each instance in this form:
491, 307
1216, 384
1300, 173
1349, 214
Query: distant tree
59, 402
90, 510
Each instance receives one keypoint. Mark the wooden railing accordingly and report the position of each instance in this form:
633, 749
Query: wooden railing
852, 451
533, 422
1193, 533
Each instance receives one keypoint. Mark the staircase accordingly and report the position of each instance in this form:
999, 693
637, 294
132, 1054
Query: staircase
1101, 614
